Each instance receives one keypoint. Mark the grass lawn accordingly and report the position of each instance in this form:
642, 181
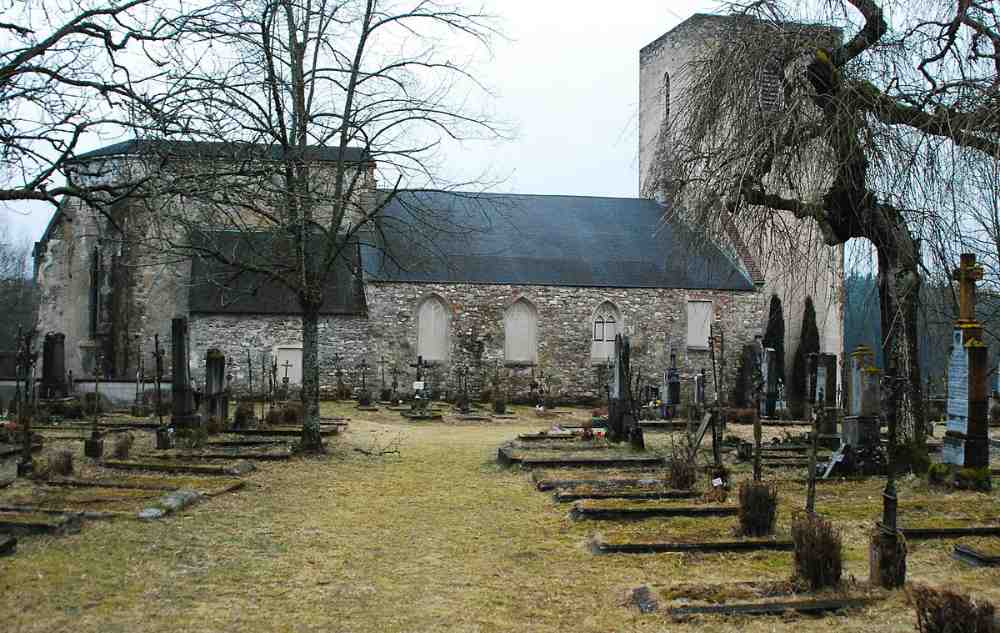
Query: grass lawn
439, 538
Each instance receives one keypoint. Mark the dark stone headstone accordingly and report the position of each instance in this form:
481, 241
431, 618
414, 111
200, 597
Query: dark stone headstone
183, 416
54, 365
215, 385
769, 374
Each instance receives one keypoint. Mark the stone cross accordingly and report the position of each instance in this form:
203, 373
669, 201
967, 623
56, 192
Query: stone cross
967, 274
395, 377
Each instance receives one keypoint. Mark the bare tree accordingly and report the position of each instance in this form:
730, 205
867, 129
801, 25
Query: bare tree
17, 293
301, 105
68, 73
867, 120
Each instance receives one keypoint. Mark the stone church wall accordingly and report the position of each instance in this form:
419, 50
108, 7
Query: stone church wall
655, 320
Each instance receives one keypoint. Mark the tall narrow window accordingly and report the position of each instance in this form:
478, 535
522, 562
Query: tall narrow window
699, 315
432, 329
606, 324
666, 100
521, 333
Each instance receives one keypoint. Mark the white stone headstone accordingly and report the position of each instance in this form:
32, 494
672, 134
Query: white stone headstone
958, 385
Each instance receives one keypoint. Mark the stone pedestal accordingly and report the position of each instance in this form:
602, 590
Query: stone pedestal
860, 431
94, 447
886, 559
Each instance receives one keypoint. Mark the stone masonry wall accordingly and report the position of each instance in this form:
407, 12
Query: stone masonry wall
655, 320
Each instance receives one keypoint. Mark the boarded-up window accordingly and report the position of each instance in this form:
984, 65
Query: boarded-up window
699, 323
432, 329
521, 333
607, 323
289, 363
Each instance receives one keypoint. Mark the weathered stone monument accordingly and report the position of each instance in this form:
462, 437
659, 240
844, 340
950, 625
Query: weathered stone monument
966, 443
769, 374
671, 387
216, 393
54, 365
184, 419
823, 397
861, 424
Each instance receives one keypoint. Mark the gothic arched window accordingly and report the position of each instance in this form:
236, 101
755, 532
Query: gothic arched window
520, 324
606, 324
432, 329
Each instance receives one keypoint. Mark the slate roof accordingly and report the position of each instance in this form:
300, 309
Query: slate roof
228, 151
220, 289
449, 237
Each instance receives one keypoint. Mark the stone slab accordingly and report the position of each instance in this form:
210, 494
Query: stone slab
23, 523
538, 437
240, 468
632, 514
251, 455
170, 503
8, 545
705, 547
246, 443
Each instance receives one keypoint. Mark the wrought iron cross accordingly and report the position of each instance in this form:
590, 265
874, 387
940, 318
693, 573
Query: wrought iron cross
420, 365
395, 376
382, 362
363, 366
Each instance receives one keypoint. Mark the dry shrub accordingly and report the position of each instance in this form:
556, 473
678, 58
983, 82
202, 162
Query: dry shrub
683, 472
214, 425
942, 611
243, 416
61, 463
758, 508
123, 445
819, 552
292, 413
738, 416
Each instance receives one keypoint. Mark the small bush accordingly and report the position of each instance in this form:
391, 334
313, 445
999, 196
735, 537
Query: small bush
243, 416
365, 398
192, 438
385, 395
274, 417
500, 406
122, 446
758, 508
938, 474
60, 463
291, 414
974, 479
946, 612
486, 395
819, 556
95, 403
913, 458
343, 392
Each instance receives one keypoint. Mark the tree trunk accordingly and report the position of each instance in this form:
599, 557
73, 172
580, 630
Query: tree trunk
899, 292
311, 442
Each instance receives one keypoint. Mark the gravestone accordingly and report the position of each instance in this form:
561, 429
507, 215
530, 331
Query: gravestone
966, 442
54, 365
861, 425
183, 416
672, 386
216, 393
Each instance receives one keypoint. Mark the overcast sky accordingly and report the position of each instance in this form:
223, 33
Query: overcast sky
567, 78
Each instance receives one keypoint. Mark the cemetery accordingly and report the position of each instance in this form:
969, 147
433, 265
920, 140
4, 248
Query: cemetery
271, 365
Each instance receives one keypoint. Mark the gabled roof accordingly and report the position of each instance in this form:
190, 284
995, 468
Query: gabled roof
217, 288
450, 237
195, 150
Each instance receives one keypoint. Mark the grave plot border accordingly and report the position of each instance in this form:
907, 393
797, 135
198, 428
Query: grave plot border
8, 545
284, 432
545, 485
579, 513
241, 468
769, 608
974, 557
540, 437
254, 457
924, 534
39, 523
625, 495
507, 457
232, 486
89, 515
705, 547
